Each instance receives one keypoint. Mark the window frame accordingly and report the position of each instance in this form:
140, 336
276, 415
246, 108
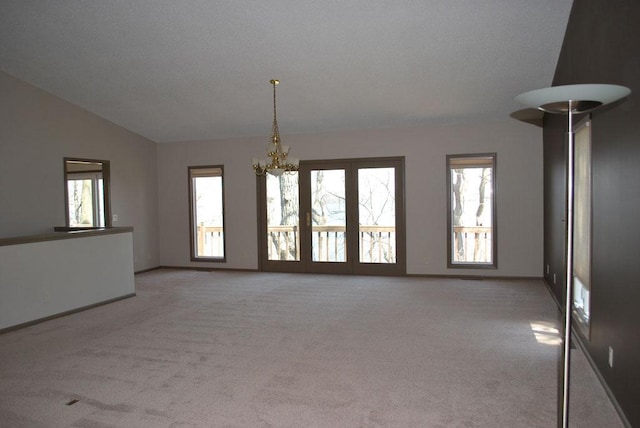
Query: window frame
583, 230
97, 200
91, 166
353, 265
192, 212
468, 158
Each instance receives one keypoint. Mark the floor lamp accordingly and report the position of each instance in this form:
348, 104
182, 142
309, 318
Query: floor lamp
570, 100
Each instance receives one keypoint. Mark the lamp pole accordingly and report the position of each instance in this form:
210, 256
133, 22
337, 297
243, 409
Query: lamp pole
568, 300
570, 100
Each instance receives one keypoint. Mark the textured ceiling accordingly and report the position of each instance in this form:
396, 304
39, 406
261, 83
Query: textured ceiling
178, 70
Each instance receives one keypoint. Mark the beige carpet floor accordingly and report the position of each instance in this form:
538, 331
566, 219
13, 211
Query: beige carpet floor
234, 349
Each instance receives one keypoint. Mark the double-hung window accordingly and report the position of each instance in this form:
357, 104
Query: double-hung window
206, 203
471, 213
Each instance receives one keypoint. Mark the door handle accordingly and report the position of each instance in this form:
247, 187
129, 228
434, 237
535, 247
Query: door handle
308, 219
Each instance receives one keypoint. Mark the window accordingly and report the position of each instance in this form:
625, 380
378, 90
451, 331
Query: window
471, 215
582, 227
87, 193
85, 199
206, 203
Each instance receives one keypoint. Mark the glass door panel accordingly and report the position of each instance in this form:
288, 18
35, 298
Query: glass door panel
283, 217
328, 216
377, 215
334, 216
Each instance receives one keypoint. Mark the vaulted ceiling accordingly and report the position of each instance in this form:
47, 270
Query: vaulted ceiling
180, 70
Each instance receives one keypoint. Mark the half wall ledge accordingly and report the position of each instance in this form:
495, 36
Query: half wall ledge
53, 274
61, 232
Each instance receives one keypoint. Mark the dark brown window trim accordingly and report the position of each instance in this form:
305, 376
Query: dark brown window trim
106, 187
494, 225
351, 165
192, 242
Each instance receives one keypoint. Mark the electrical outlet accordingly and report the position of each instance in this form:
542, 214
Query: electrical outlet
115, 218
610, 356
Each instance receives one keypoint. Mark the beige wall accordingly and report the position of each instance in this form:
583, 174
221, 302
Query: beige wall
519, 186
37, 130
149, 181
46, 278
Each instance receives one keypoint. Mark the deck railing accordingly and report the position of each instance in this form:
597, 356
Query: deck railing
210, 241
472, 244
283, 243
377, 243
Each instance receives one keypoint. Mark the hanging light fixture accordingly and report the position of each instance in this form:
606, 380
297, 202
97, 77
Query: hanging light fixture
278, 160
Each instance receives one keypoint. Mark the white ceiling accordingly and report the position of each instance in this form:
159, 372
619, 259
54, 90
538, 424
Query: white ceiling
180, 70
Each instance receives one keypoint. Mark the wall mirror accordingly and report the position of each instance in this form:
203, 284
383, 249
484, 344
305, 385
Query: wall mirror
87, 193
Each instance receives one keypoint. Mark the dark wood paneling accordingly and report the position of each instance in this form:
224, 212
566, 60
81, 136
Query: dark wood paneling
602, 46
554, 202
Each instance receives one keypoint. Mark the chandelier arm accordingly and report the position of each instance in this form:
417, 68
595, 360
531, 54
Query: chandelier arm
278, 156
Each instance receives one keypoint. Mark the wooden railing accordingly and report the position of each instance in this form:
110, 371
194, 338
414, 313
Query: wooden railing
472, 244
377, 243
210, 241
328, 243
283, 243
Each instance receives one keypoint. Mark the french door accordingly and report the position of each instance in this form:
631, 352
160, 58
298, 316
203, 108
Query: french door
337, 216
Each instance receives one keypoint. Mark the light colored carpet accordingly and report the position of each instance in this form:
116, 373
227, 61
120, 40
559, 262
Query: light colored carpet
233, 349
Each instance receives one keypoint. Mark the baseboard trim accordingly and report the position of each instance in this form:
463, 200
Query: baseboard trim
607, 390
409, 275
474, 277
147, 270
577, 338
207, 269
65, 313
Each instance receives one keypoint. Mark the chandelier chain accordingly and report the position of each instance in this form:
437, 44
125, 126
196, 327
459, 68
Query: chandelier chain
274, 128
278, 160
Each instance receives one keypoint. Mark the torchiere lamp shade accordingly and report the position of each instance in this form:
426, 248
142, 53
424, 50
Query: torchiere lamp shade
578, 98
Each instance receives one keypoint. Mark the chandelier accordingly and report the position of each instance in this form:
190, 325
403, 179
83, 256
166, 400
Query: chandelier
278, 160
